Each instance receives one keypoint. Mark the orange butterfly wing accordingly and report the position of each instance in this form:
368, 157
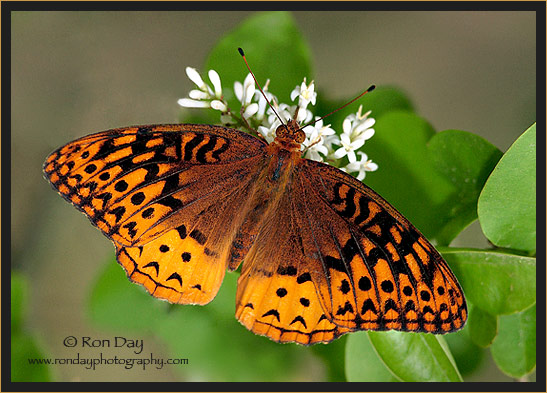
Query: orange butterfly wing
337, 258
322, 254
168, 196
276, 295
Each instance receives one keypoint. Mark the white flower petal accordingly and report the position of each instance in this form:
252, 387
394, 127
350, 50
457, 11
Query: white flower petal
358, 143
371, 166
346, 126
345, 139
353, 166
368, 134
321, 149
238, 90
218, 105
249, 80
189, 103
250, 110
198, 95
363, 156
369, 122
327, 131
341, 152
194, 76
215, 80
351, 156
249, 92
295, 93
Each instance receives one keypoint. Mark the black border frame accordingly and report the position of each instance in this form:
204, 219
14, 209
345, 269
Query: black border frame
8, 7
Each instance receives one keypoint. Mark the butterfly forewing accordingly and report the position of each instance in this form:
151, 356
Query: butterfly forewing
130, 182
170, 197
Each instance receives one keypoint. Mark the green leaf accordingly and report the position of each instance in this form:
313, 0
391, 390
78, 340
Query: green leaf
117, 303
332, 355
217, 347
406, 177
514, 349
483, 327
415, 357
507, 204
466, 160
274, 48
497, 282
220, 349
19, 296
382, 100
363, 363
385, 99
23, 348
23, 344
468, 356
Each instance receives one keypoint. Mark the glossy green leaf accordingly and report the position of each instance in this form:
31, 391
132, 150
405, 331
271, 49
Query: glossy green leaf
514, 349
483, 327
497, 282
363, 363
117, 303
468, 356
406, 176
507, 204
415, 357
466, 160
274, 48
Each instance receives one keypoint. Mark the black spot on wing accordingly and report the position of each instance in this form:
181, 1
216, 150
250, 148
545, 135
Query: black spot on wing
273, 312
300, 319
175, 276
343, 310
304, 277
198, 236
155, 265
287, 270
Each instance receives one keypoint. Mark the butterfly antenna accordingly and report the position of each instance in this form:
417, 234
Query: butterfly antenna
372, 87
262, 91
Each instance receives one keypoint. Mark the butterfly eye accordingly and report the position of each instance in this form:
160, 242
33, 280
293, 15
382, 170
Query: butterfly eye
281, 131
300, 137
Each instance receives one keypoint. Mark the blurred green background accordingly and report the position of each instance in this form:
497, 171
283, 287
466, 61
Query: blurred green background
74, 73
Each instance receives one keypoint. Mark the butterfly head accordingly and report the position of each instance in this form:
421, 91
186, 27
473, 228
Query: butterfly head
291, 131
290, 136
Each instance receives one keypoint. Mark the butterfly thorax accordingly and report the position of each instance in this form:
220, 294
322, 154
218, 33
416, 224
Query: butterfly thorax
284, 152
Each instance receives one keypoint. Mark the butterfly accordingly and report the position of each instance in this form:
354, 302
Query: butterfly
321, 253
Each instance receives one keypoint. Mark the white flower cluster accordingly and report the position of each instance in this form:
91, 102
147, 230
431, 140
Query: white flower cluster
321, 144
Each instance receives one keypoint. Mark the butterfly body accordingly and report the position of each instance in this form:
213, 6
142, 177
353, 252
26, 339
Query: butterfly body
320, 253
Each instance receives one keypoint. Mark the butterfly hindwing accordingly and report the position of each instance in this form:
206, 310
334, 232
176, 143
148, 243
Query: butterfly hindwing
276, 294
383, 274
